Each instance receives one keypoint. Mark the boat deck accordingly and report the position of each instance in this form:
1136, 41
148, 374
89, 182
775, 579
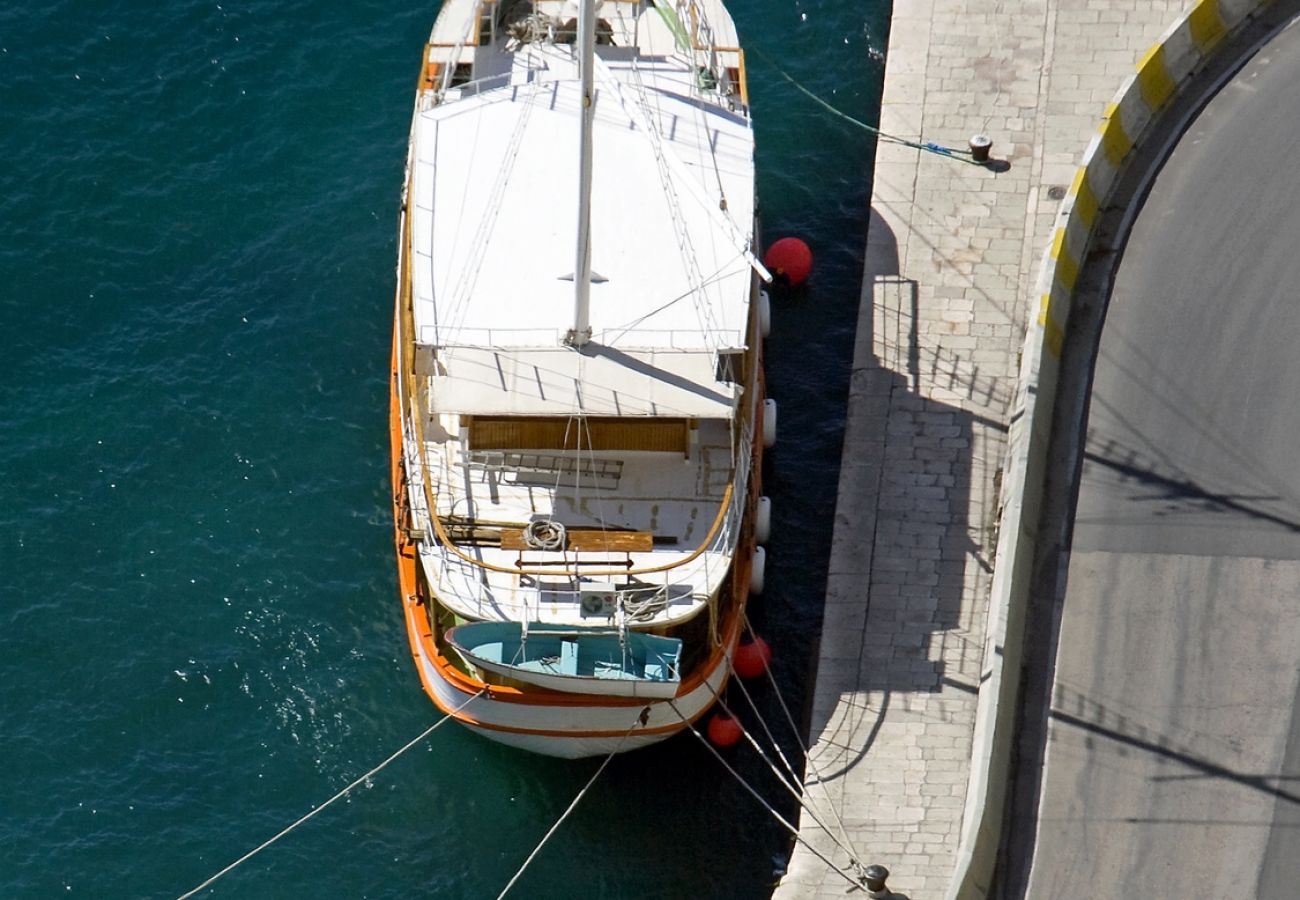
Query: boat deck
624, 510
492, 258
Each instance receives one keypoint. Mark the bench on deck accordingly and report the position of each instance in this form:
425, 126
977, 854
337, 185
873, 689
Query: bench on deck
588, 540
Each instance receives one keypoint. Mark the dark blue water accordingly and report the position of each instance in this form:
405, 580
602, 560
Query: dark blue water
200, 636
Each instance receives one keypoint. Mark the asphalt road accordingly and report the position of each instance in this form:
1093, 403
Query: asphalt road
1173, 759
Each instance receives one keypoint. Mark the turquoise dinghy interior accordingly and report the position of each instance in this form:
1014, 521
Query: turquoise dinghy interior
570, 651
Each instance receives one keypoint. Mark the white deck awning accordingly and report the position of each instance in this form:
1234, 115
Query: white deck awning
494, 233
601, 381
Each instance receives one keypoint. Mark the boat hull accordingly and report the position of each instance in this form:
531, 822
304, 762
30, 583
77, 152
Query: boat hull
551, 723
559, 724
516, 710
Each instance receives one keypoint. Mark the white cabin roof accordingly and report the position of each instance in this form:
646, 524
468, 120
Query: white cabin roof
599, 381
494, 235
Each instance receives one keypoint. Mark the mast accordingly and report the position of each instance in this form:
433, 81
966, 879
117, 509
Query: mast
581, 331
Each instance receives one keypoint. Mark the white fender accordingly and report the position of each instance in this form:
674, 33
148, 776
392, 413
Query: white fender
764, 314
769, 423
757, 571
763, 520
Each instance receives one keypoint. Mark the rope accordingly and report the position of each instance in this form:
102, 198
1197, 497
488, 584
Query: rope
259, 848
927, 147
792, 784
544, 534
851, 879
798, 736
582, 793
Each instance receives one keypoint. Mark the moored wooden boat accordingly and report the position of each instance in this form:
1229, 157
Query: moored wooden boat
577, 394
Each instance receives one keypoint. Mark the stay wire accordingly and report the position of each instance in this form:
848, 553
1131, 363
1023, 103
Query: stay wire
954, 153
851, 879
259, 848
582, 793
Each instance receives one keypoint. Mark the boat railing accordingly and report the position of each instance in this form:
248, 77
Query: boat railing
478, 85
721, 539
496, 338
640, 602
448, 73
426, 488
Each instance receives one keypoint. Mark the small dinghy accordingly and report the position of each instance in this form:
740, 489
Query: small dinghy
573, 658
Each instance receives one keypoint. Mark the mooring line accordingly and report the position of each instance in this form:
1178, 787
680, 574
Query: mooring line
954, 153
850, 878
582, 793
260, 847
798, 736
793, 784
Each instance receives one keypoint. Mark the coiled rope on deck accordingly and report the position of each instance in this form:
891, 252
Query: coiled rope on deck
262, 846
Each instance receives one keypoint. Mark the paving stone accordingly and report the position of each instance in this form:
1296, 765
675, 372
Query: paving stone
967, 244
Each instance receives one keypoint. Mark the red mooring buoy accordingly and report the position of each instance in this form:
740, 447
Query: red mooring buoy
724, 731
791, 258
751, 659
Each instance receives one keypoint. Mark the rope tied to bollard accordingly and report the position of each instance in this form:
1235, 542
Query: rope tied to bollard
955, 153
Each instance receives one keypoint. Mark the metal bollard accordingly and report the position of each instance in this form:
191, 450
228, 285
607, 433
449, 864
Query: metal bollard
980, 145
875, 877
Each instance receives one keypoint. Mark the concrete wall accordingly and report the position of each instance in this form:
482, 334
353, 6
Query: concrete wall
1170, 63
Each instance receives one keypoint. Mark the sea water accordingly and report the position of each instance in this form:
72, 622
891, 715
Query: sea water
200, 634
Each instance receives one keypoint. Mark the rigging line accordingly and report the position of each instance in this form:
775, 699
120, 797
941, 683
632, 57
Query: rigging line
462, 293
851, 879
997, 43
623, 329
685, 245
258, 849
792, 785
582, 793
669, 159
584, 424
559, 468
455, 242
954, 153
695, 91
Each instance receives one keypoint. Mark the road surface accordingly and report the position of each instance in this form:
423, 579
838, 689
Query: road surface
1173, 757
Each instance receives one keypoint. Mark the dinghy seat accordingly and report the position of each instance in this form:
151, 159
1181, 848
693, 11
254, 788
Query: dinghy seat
568, 657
